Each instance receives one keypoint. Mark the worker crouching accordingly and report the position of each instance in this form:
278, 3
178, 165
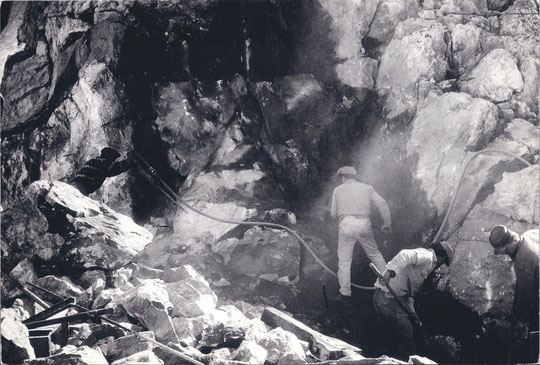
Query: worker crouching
405, 274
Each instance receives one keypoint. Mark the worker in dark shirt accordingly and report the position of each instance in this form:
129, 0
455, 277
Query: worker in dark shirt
525, 253
94, 172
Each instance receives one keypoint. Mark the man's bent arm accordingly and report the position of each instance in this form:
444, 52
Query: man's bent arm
381, 204
333, 209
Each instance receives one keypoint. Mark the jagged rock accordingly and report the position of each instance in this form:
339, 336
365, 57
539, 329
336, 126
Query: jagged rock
260, 251
15, 175
189, 329
61, 286
420, 360
250, 353
143, 357
80, 334
219, 337
496, 77
350, 23
279, 342
519, 138
105, 296
172, 359
466, 46
478, 278
90, 277
446, 347
100, 331
191, 125
444, 143
22, 273
79, 128
530, 71
291, 359
324, 347
189, 292
98, 235
15, 343
24, 235
183, 272
191, 298
121, 279
521, 25
126, 346
498, 5
220, 356
11, 43
27, 82
404, 65
144, 272
517, 204
388, 15
256, 330
149, 303
71, 355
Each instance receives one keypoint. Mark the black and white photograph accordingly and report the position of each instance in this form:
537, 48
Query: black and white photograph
269, 182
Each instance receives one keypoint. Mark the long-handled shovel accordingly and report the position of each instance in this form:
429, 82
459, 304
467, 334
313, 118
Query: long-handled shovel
417, 325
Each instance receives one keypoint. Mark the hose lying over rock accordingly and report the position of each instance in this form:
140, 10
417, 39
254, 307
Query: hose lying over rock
156, 180
152, 175
476, 154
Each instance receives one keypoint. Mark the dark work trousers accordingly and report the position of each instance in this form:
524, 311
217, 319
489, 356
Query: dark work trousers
397, 323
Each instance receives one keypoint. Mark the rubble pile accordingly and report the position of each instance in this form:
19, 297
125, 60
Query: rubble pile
64, 318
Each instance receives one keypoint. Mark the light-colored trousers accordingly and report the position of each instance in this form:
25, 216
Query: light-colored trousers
352, 229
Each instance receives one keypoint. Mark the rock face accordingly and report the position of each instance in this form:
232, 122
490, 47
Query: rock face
97, 236
422, 54
246, 110
496, 77
450, 115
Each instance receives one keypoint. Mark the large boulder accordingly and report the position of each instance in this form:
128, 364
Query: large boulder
249, 352
80, 127
519, 138
479, 279
388, 15
16, 345
25, 234
420, 55
149, 303
97, 235
261, 251
350, 23
190, 125
190, 295
279, 342
445, 127
496, 77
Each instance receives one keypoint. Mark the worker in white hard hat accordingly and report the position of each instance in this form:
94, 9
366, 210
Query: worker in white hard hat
351, 204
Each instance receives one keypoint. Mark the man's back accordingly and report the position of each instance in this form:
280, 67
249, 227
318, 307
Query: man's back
352, 198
